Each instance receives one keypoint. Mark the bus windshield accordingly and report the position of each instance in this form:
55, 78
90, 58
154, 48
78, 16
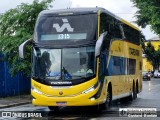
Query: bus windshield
63, 64
73, 27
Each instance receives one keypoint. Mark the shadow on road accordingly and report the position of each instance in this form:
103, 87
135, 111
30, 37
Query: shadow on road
88, 112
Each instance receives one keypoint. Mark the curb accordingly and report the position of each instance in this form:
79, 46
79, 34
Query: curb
13, 105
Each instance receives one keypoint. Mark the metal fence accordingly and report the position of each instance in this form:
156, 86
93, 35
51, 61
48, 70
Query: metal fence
11, 86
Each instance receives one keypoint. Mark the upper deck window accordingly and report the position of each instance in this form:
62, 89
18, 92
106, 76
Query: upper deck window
131, 34
73, 27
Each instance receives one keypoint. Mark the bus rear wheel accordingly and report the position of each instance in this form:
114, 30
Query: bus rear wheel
133, 95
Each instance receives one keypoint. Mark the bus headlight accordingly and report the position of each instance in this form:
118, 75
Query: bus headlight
90, 89
35, 90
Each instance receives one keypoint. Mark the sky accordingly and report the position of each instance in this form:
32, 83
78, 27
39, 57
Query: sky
122, 8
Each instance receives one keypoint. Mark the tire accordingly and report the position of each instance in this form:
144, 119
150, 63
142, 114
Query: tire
108, 101
133, 95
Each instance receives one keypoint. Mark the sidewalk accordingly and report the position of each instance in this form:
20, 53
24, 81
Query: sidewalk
14, 101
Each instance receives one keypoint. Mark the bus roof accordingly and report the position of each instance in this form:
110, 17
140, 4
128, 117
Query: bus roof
72, 11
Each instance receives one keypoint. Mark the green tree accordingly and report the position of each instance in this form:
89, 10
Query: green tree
16, 26
148, 14
142, 42
152, 55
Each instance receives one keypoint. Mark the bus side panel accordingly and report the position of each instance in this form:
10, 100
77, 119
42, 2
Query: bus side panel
124, 59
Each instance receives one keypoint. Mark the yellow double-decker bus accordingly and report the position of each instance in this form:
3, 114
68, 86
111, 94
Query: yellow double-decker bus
84, 57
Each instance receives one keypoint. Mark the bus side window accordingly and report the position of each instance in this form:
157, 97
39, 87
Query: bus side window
105, 27
131, 34
115, 30
131, 66
111, 26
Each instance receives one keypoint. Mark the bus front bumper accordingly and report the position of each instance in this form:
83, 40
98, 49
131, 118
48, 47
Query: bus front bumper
79, 100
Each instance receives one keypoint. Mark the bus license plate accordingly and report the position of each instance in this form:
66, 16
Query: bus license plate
61, 103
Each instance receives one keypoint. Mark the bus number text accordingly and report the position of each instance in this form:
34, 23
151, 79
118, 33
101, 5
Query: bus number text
63, 36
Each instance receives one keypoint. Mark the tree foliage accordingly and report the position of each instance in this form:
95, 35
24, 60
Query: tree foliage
152, 55
16, 26
148, 14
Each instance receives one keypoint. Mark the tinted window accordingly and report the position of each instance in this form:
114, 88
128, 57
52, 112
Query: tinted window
75, 27
131, 66
110, 24
63, 64
131, 34
116, 66
140, 65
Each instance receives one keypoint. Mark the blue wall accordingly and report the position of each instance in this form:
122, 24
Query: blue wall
11, 86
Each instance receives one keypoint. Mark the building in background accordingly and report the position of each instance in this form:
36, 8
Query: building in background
155, 41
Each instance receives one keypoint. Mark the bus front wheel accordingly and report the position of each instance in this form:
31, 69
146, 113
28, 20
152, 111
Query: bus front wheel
108, 101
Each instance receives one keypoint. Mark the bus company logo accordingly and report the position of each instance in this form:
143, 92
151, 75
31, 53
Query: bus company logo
65, 25
61, 83
60, 93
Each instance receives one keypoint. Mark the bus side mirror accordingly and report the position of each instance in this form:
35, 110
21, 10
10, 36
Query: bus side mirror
99, 44
22, 48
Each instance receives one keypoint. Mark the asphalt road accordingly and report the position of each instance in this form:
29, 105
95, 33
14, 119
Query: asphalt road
148, 98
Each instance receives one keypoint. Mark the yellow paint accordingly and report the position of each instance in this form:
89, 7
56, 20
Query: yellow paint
146, 64
122, 48
99, 23
129, 24
123, 83
74, 95
156, 44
